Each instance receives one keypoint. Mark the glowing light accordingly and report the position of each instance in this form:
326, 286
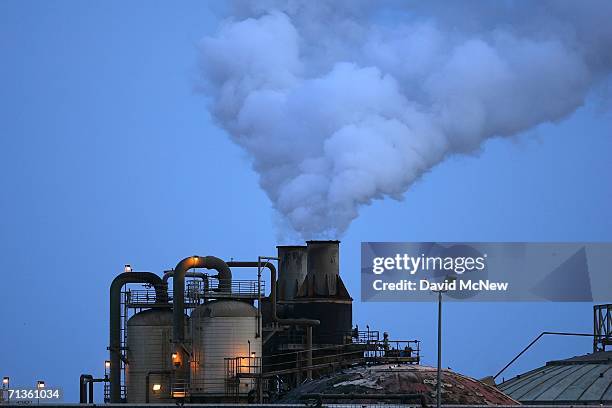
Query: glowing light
40, 384
5, 380
156, 387
127, 268
107, 364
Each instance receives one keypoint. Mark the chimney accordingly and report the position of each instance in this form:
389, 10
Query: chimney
291, 270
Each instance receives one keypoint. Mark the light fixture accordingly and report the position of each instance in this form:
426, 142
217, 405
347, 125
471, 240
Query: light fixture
127, 268
176, 360
5, 381
40, 384
253, 354
156, 387
107, 364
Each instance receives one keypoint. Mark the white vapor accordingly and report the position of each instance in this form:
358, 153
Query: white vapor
339, 103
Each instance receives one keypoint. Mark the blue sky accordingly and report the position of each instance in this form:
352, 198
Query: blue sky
107, 157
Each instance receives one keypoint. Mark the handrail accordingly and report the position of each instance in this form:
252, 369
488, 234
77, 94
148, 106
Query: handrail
534, 341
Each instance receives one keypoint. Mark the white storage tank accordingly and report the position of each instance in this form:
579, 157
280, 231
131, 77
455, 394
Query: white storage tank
149, 343
223, 329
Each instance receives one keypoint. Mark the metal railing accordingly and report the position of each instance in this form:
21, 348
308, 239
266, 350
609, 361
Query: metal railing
215, 288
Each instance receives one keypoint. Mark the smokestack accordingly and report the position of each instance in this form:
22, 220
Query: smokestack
292, 270
323, 266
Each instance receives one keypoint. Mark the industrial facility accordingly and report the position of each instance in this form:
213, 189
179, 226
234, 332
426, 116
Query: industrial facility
196, 334
214, 338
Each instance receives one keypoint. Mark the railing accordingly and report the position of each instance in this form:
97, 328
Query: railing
215, 288
198, 291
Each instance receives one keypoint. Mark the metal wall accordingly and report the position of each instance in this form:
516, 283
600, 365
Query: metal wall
149, 336
221, 329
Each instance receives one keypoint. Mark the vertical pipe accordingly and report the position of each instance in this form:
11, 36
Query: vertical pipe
439, 374
91, 390
309, 352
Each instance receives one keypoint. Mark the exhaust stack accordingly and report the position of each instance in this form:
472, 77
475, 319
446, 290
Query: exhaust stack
292, 270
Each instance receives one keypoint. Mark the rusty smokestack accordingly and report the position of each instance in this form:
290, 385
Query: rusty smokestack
291, 270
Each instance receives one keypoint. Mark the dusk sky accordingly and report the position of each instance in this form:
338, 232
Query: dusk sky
109, 156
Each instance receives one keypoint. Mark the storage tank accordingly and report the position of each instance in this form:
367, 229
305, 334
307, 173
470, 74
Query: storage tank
149, 337
223, 329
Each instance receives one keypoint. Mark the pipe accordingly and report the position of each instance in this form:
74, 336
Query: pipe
169, 274
83, 380
178, 290
201, 275
296, 322
161, 296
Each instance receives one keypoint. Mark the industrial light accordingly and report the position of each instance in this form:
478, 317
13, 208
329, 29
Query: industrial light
107, 364
127, 268
174, 356
156, 387
253, 354
5, 380
40, 384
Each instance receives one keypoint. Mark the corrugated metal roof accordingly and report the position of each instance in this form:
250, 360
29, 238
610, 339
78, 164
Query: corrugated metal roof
579, 379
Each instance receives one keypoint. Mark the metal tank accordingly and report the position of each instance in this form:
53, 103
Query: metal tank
291, 270
149, 337
223, 330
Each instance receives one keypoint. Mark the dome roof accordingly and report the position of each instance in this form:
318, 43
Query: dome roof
225, 308
151, 317
581, 379
403, 379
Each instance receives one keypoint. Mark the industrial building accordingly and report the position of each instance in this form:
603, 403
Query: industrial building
214, 338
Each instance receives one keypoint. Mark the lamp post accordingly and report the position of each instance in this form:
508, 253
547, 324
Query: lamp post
40, 385
447, 280
6, 383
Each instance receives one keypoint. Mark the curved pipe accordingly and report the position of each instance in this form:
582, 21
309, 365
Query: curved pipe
161, 296
272, 269
83, 380
201, 275
178, 290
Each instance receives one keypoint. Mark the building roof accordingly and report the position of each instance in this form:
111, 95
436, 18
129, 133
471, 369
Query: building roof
580, 379
401, 379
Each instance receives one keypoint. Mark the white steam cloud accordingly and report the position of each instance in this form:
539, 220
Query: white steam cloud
340, 103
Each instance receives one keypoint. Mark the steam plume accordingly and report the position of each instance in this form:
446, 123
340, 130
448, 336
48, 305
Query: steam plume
341, 103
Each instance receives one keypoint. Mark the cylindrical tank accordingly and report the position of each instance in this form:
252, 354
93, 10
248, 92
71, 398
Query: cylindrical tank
323, 267
291, 271
221, 331
149, 343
